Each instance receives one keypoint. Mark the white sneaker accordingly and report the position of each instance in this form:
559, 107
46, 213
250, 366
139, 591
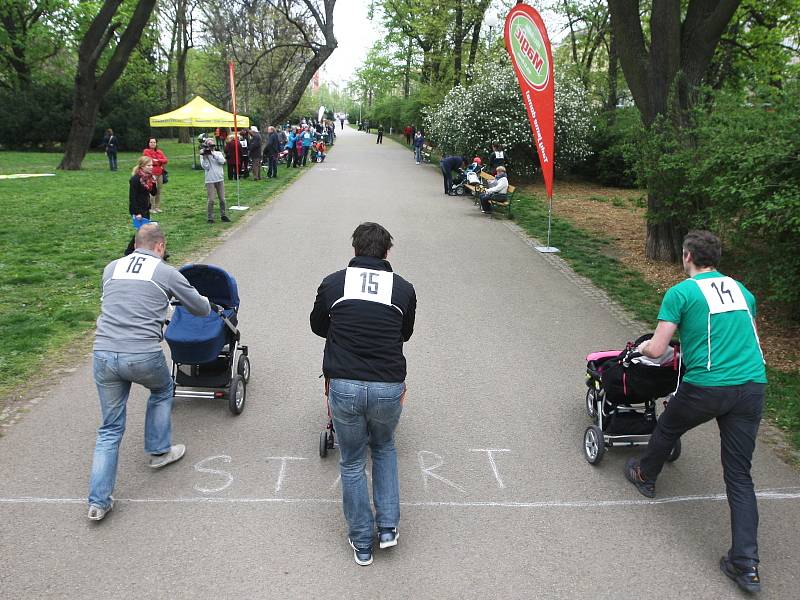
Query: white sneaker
176, 452
417, 162
98, 514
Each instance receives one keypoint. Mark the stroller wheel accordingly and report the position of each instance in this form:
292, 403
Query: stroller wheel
591, 402
593, 444
243, 367
323, 443
675, 454
459, 190
237, 394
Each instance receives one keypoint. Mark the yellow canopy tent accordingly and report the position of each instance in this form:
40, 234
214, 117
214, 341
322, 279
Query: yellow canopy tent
198, 113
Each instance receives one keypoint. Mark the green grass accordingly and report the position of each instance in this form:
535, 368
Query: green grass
589, 254
61, 231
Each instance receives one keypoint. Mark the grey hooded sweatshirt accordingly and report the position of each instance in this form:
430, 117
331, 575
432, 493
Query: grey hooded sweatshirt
136, 292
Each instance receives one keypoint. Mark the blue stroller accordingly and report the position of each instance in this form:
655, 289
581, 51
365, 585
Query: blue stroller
207, 359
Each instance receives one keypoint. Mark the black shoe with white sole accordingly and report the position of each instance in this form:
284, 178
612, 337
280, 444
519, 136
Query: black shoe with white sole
387, 537
362, 556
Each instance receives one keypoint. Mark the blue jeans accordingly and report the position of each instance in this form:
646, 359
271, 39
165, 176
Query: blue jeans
366, 413
418, 153
112, 160
737, 409
113, 374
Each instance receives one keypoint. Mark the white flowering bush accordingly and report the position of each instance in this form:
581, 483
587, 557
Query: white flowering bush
469, 119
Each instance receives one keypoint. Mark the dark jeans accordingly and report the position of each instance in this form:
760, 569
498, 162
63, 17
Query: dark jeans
448, 178
305, 154
272, 165
380, 138
112, 160
737, 409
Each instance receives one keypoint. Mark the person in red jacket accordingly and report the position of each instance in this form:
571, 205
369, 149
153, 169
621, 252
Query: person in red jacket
160, 161
407, 133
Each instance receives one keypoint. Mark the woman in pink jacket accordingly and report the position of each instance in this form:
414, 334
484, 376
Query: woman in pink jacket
159, 162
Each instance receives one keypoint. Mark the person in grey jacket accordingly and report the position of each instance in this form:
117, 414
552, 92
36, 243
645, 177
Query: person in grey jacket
127, 349
212, 160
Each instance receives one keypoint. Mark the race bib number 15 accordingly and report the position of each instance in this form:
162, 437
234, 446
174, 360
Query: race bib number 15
372, 286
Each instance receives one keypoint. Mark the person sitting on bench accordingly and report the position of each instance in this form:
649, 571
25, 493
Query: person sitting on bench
497, 190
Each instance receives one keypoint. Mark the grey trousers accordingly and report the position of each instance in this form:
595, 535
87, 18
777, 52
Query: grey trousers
216, 189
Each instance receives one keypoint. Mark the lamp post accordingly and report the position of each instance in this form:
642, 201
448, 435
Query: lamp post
491, 21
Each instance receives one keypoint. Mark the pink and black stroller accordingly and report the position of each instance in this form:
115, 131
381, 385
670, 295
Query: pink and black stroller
621, 399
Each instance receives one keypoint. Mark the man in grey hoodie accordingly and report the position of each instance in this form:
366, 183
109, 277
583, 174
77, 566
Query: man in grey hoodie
127, 349
212, 160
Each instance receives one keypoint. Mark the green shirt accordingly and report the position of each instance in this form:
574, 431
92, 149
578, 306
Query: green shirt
735, 355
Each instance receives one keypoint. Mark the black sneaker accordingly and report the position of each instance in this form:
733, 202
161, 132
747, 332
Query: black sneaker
362, 556
225, 219
387, 537
633, 472
211, 220
747, 579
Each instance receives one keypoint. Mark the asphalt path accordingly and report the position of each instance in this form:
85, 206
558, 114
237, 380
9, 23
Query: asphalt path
498, 501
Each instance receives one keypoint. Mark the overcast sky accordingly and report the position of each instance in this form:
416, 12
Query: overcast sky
356, 34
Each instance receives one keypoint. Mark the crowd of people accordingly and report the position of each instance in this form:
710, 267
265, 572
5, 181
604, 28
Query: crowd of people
294, 145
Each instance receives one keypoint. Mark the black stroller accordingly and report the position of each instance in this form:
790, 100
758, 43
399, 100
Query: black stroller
327, 437
621, 399
207, 359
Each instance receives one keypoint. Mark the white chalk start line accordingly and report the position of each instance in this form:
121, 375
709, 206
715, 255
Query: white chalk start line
766, 494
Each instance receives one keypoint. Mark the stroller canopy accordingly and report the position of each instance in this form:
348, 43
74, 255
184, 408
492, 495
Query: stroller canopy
214, 283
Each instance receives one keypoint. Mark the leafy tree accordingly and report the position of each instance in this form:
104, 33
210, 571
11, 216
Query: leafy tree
664, 76
469, 119
277, 46
92, 81
31, 33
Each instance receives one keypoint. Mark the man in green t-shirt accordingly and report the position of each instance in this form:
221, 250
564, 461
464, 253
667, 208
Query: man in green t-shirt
725, 379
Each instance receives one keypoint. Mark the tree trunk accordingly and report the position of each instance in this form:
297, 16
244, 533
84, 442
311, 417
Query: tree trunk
664, 240
613, 73
458, 38
91, 87
663, 78
84, 117
407, 71
184, 44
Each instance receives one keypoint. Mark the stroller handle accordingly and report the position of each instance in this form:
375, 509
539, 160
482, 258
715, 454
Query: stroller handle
214, 307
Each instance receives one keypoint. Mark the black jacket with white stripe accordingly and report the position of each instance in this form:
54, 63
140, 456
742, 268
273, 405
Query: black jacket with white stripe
365, 313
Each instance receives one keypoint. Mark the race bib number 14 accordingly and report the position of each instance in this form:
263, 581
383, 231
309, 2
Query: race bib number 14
722, 295
372, 286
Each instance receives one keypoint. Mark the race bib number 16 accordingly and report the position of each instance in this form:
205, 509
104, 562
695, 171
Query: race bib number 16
372, 286
136, 266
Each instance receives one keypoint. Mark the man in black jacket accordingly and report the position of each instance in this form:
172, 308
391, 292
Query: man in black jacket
273, 149
448, 165
255, 149
365, 312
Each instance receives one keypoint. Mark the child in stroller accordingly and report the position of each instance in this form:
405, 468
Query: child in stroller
621, 399
318, 148
469, 176
207, 359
